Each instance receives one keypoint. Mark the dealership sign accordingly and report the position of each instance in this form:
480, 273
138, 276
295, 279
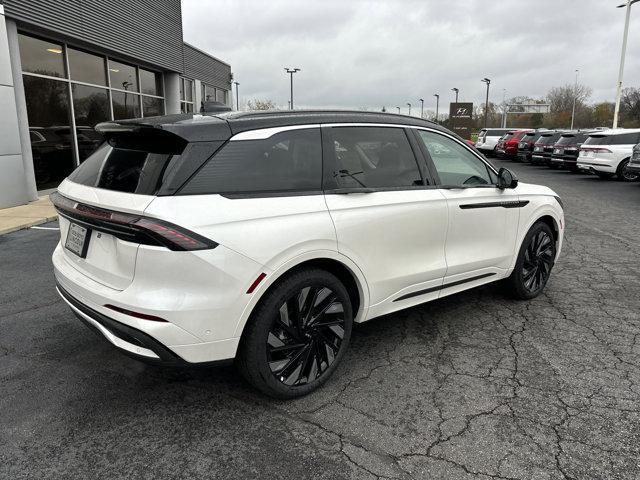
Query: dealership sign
461, 116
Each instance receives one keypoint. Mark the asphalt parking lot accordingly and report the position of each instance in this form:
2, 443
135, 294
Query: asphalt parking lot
471, 386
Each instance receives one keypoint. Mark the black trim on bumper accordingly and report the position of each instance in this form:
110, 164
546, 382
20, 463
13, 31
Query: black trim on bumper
633, 167
131, 335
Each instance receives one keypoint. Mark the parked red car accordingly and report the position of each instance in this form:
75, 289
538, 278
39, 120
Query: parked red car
507, 146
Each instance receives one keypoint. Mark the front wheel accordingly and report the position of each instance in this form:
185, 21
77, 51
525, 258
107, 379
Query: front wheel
297, 335
534, 263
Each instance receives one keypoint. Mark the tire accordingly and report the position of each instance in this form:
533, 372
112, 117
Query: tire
623, 175
534, 263
289, 348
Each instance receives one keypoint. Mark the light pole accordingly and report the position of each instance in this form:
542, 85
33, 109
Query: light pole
622, 55
422, 108
575, 97
504, 108
291, 71
237, 103
409, 108
398, 109
453, 120
437, 104
457, 90
486, 105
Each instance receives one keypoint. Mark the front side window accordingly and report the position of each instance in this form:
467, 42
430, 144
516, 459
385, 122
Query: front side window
374, 157
289, 161
455, 164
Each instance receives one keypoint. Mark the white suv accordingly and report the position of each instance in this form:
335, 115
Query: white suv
607, 153
265, 236
488, 139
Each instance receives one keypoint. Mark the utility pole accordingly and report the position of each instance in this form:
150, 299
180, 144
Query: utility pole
453, 119
409, 108
623, 53
486, 105
291, 71
422, 108
437, 104
237, 102
398, 109
504, 108
575, 97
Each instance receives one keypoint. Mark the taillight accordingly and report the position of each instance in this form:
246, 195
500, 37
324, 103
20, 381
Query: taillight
134, 228
131, 313
596, 150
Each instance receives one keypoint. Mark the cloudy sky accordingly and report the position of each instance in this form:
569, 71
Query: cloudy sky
359, 53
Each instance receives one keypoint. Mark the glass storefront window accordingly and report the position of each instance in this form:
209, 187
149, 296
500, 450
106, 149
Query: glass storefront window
85, 67
186, 90
186, 107
221, 96
151, 83
50, 129
122, 76
125, 105
90, 107
208, 93
152, 107
41, 57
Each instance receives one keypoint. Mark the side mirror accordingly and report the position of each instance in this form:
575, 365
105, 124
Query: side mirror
507, 179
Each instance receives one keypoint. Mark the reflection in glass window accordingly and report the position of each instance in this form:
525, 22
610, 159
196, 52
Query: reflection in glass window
125, 105
150, 83
49, 125
39, 56
186, 90
90, 107
186, 107
123, 76
221, 95
455, 164
208, 93
374, 157
85, 67
152, 107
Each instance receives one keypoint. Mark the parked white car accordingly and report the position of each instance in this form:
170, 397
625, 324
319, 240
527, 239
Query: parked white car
607, 153
488, 139
264, 236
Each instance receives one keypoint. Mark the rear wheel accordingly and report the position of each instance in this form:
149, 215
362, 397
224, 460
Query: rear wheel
534, 263
297, 335
624, 174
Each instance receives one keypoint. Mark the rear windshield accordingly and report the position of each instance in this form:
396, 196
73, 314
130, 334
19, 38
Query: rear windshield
567, 140
597, 140
507, 136
494, 133
548, 139
142, 168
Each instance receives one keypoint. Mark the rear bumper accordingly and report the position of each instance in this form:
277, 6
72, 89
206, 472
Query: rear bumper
539, 158
129, 340
565, 160
596, 166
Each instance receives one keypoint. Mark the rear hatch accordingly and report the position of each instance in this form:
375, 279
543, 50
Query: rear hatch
102, 203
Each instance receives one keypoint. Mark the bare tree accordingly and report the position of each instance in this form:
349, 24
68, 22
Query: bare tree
257, 104
560, 99
630, 107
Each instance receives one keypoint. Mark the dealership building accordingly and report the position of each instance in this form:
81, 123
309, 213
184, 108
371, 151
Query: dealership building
67, 65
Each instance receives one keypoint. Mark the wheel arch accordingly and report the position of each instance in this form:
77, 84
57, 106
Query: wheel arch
339, 265
549, 215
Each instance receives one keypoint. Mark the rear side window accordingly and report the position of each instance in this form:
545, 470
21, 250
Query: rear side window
374, 157
289, 161
625, 139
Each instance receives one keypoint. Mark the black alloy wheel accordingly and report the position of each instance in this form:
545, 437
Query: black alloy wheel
534, 263
538, 261
297, 334
625, 174
306, 336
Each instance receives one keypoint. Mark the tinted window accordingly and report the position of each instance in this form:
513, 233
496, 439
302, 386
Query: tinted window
90, 107
495, 133
39, 56
597, 140
456, 165
288, 161
125, 105
123, 76
152, 106
625, 139
150, 83
85, 67
374, 157
567, 140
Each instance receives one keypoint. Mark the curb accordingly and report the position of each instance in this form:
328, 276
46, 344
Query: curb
33, 223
